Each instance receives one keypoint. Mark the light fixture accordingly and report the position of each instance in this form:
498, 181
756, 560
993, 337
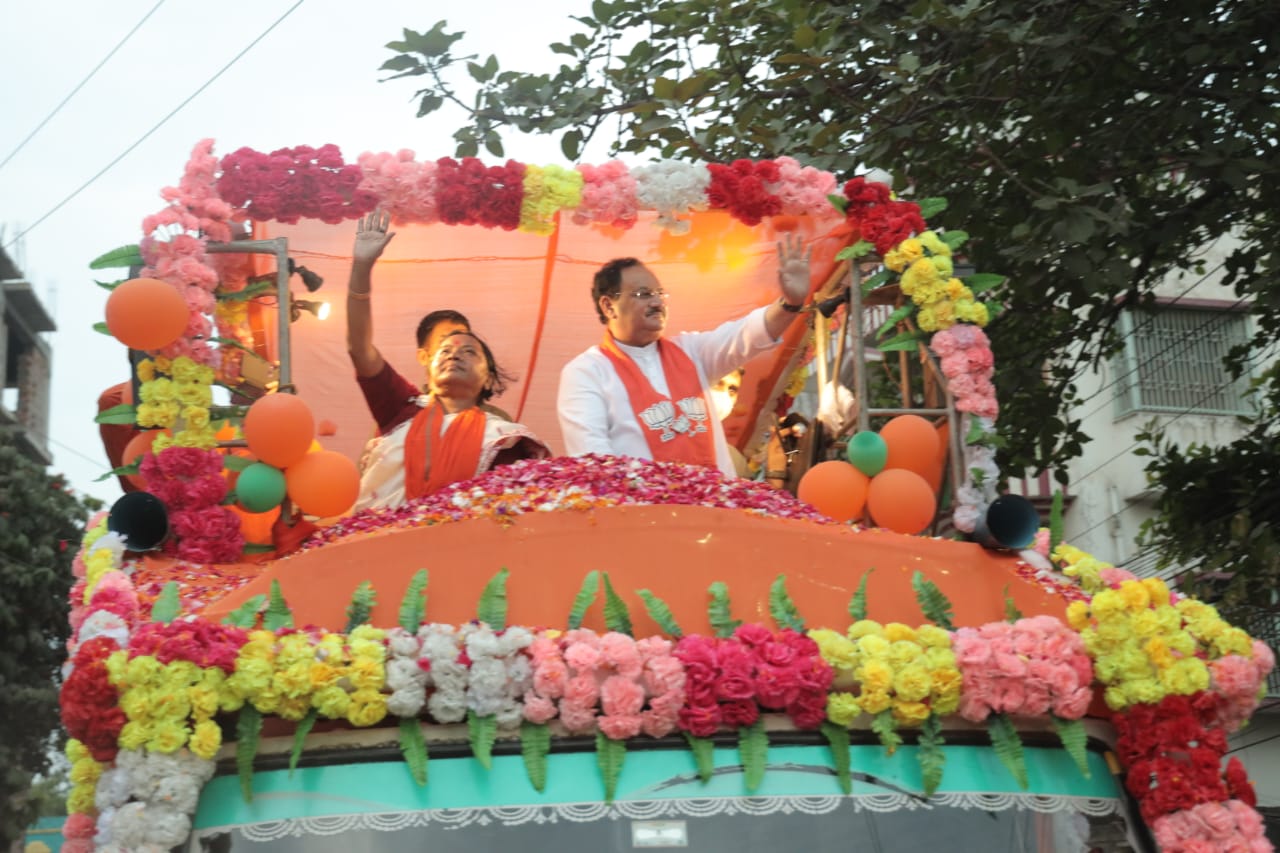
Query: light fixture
318, 307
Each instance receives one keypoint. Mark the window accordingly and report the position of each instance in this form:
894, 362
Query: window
1171, 361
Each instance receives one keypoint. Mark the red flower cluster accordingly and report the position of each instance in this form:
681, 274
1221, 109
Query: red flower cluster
90, 705
295, 183
740, 188
198, 641
189, 482
470, 193
1174, 760
728, 681
882, 220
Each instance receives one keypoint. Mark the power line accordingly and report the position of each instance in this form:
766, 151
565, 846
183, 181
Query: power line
81, 84
157, 126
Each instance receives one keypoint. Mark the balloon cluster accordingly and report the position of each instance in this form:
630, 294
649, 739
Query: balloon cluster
892, 475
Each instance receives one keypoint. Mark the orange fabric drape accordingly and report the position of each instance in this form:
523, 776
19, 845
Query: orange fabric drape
432, 461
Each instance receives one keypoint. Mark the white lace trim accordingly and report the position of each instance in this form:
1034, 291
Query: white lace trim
650, 809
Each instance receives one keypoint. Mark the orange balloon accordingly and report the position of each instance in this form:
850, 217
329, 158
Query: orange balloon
140, 445
256, 526
279, 429
938, 470
912, 443
324, 483
835, 488
901, 501
146, 314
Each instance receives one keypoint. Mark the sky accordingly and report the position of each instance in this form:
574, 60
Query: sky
312, 79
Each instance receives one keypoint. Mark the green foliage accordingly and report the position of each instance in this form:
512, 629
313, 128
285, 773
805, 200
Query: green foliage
1008, 747
782, 608
906, 341
167, 605
838, 739
246, 615
41, 525
125, 413
278, 614
584, 599
493, 602
300, 732
616, 616
535, 746
934, 605
753, 749
482, 732
930, 754
858, 604
362, 602
1011, 611
248, 730
702, 749
718, 611
887, 730
1074, 741
610, 755
1055, 521
413, 746
124, 256
414, 604
660, 613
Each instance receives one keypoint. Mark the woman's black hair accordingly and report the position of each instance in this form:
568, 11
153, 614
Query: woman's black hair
498, 378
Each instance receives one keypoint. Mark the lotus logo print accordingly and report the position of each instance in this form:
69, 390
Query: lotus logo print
695, 409
661, 416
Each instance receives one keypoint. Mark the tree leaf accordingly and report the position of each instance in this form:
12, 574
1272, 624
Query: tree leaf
167, 605
930, 753
413, 746
362, 602
414, 603
535, 746
278, 614
838, 739
610, 755
1074, 741
1011, 611
934, 605
954, 239
782, 608
703, 755
753, 749
858, 604
886, 729
482, 732
124, 256
300, 732
584, 599
616, 616
492, 609
660, 613
248, 730
125, 413
718, 612
246, 615
1008, 747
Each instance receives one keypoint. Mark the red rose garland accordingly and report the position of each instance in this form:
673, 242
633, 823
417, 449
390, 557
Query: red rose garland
470, 193
290, 184
90, 705
882, 220
740, 189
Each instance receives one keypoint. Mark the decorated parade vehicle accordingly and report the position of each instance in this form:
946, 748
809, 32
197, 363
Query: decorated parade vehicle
605, 652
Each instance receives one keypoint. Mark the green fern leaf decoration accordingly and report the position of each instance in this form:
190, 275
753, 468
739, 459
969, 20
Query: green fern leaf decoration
248, 729
929, 751
413, 746
1011, 611
300, 733
413, 606
124, 256
782, 608
278, 614
168, 605
1055, 521
1074, 740
610, 755
838, 739
616, 616
535, 745
718, 612
886, 729
362, 602
246, 615
1008, 747
482, 732
703, 756
659, 612
492, 609
584, 599
858, 604
934, 605
753, 749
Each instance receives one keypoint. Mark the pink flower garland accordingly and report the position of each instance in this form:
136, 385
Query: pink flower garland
290, 184
190, 484
404, 187
967, 362
1032, 667
802, 190
199, 641
1212, 827
608, 196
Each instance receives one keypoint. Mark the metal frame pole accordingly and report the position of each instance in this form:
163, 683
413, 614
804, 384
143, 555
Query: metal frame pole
279, 247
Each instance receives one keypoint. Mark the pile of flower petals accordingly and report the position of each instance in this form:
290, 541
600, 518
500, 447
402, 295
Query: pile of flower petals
581, 483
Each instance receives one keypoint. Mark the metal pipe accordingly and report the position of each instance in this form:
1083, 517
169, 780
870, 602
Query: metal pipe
859, 346
279, 247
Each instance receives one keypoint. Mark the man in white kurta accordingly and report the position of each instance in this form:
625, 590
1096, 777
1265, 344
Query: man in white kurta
598, 414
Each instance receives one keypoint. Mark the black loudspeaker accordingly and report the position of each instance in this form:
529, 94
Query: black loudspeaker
1011, 522
141, 519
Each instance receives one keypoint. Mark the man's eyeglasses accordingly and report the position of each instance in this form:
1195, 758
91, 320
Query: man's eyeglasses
644, 294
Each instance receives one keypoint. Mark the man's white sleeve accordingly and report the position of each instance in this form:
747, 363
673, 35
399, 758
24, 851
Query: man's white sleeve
728, 346
583, 408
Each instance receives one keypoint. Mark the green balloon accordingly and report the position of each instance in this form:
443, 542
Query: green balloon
868, 452
260, 487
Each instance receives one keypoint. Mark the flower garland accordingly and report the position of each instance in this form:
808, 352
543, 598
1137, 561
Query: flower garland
290, 184
802, 190
672, 188
1032, 667
608, 196
470, 193
404, 187
881, 220
742, 189
189, 482
547, 190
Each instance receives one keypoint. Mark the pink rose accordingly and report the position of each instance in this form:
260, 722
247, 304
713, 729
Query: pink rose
538, 709
619, 727
753, 634
621, 695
